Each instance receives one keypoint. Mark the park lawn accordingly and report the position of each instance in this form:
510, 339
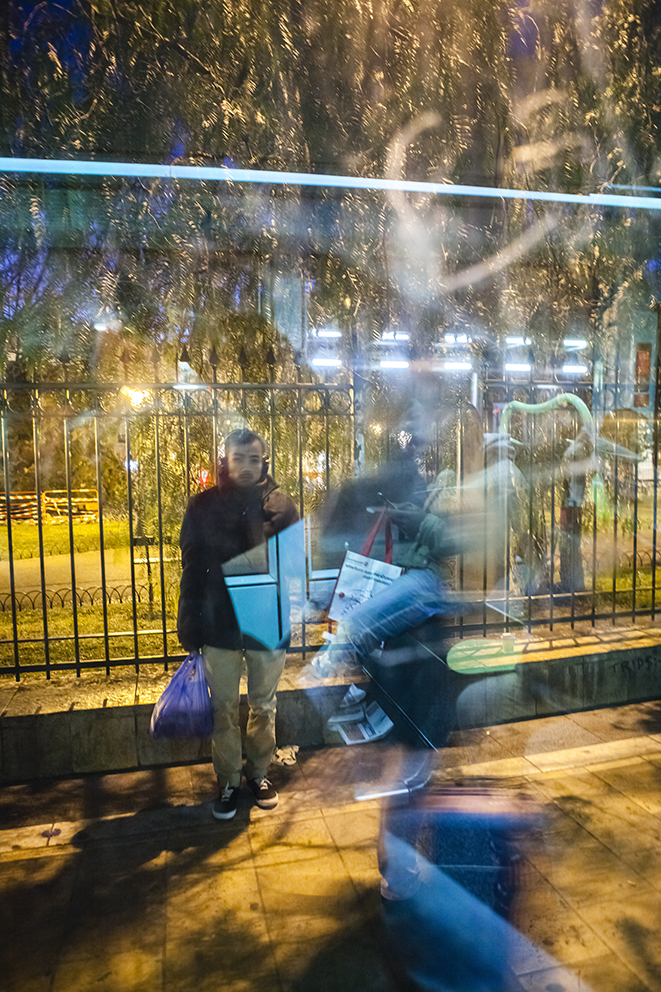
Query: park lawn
30, 628
86, 537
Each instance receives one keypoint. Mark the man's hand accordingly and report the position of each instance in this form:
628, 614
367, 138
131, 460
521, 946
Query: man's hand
408, 518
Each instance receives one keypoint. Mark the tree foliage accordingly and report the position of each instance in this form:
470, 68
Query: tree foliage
547, 96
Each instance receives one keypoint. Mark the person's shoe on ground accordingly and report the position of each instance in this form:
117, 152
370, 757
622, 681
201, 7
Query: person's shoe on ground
335, 660
224, 807
265, 795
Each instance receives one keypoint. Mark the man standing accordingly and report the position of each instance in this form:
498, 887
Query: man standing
230, 519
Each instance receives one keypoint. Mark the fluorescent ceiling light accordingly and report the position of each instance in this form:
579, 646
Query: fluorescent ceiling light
391, 363
575, 344
457, 366
517, 367
574, 369
517, 340
328, 332
132, 170
394, 336
326, 363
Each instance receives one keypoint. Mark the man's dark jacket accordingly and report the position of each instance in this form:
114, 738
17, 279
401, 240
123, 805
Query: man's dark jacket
219, 524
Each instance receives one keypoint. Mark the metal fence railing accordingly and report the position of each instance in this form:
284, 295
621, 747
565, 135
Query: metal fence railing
95, 480
95, 483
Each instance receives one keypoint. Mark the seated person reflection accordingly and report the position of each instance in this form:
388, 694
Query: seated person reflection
471, 520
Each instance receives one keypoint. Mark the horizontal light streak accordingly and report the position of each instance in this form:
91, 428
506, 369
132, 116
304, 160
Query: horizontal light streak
199, 173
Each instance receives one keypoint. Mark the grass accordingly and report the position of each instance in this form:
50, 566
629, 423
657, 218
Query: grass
90, 628
86, 537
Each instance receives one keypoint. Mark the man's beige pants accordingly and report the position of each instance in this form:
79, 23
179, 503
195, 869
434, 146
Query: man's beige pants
223, 670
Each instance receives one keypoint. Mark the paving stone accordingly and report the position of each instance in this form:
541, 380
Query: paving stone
613, 722
110, 970
25, 838
208, 848
631, 930
278, 840
603, 974
547, 920
352, 959
243, 964
603, 751
468, 746
533, 737
647, 777
503, 768
646, 862
142, 889
308, 900
34, 894
616, 825
356, 834
117, 904
217, 932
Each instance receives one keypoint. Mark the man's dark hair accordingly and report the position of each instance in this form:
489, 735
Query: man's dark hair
236, 439
241, 437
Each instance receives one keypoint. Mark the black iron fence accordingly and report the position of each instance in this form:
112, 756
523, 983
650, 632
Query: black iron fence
89, 576
99, 588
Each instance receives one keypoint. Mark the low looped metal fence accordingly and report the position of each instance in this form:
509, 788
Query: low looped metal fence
64, 597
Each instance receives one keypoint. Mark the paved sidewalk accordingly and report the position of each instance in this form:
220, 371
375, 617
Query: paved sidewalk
125, 883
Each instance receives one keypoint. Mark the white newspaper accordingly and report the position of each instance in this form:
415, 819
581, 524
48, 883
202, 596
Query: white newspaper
360, 578
373, 725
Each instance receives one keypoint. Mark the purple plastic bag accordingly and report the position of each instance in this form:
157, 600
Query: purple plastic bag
184, 709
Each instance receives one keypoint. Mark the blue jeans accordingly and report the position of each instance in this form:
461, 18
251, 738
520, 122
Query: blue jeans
405, 603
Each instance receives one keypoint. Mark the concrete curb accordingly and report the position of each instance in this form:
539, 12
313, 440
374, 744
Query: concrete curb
116, 738
101, 724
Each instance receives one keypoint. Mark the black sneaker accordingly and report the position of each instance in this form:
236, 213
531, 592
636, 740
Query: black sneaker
265, 795
224, 807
